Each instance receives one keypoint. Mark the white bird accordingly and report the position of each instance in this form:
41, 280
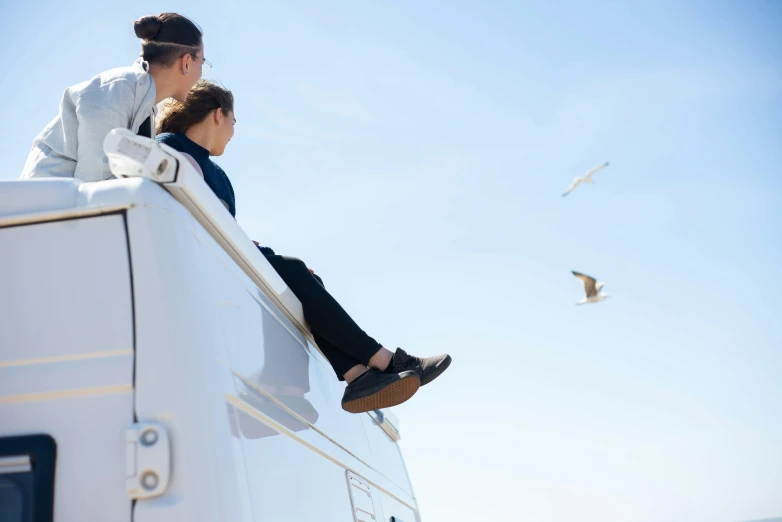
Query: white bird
587, 178
592, 289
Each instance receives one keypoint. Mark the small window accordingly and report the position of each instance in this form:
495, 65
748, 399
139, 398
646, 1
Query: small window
27, 478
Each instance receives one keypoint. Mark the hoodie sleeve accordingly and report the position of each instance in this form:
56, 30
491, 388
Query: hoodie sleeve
98, 111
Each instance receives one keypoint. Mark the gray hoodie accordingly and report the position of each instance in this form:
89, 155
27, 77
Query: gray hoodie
71, 146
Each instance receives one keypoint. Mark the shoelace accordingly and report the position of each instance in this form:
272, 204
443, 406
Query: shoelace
408, 360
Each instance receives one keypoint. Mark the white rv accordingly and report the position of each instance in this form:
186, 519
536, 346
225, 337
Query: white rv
154, 367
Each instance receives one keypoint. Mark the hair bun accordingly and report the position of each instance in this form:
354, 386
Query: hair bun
147, 27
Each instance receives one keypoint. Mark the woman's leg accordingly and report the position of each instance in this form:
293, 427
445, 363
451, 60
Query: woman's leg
392, 378
340, 339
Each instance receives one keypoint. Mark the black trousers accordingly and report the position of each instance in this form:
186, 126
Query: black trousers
339, 338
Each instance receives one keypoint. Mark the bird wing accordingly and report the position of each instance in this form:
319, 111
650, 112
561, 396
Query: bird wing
589, 283
589, 173
572, 186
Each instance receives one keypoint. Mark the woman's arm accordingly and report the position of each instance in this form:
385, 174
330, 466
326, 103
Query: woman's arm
99, 111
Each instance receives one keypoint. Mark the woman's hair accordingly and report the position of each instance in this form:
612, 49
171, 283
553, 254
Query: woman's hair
203, 98
166, 37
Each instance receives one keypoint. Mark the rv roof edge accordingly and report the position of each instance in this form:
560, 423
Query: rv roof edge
189, 188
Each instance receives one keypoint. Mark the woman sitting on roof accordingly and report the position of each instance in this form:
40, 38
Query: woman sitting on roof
201, 126
171, 62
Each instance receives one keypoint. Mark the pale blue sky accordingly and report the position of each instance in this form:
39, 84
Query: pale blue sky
414, 155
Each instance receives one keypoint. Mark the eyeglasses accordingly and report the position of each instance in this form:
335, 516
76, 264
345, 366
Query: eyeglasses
207, 64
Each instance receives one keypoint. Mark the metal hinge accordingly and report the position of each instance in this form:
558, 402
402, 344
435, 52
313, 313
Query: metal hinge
387, 422
148, 460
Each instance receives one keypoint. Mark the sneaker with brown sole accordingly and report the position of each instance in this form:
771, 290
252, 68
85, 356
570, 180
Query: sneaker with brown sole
374, 390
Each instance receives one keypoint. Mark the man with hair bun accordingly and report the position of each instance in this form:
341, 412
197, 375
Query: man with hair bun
171, 62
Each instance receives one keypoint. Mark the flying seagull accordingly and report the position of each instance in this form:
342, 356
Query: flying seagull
592, 289
587, 178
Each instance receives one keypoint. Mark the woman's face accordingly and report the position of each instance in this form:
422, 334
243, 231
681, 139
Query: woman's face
224, 131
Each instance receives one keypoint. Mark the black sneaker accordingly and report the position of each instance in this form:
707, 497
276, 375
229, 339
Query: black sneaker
427, 368
373, 390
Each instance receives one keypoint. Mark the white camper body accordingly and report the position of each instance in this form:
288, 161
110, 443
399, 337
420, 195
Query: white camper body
154, 367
